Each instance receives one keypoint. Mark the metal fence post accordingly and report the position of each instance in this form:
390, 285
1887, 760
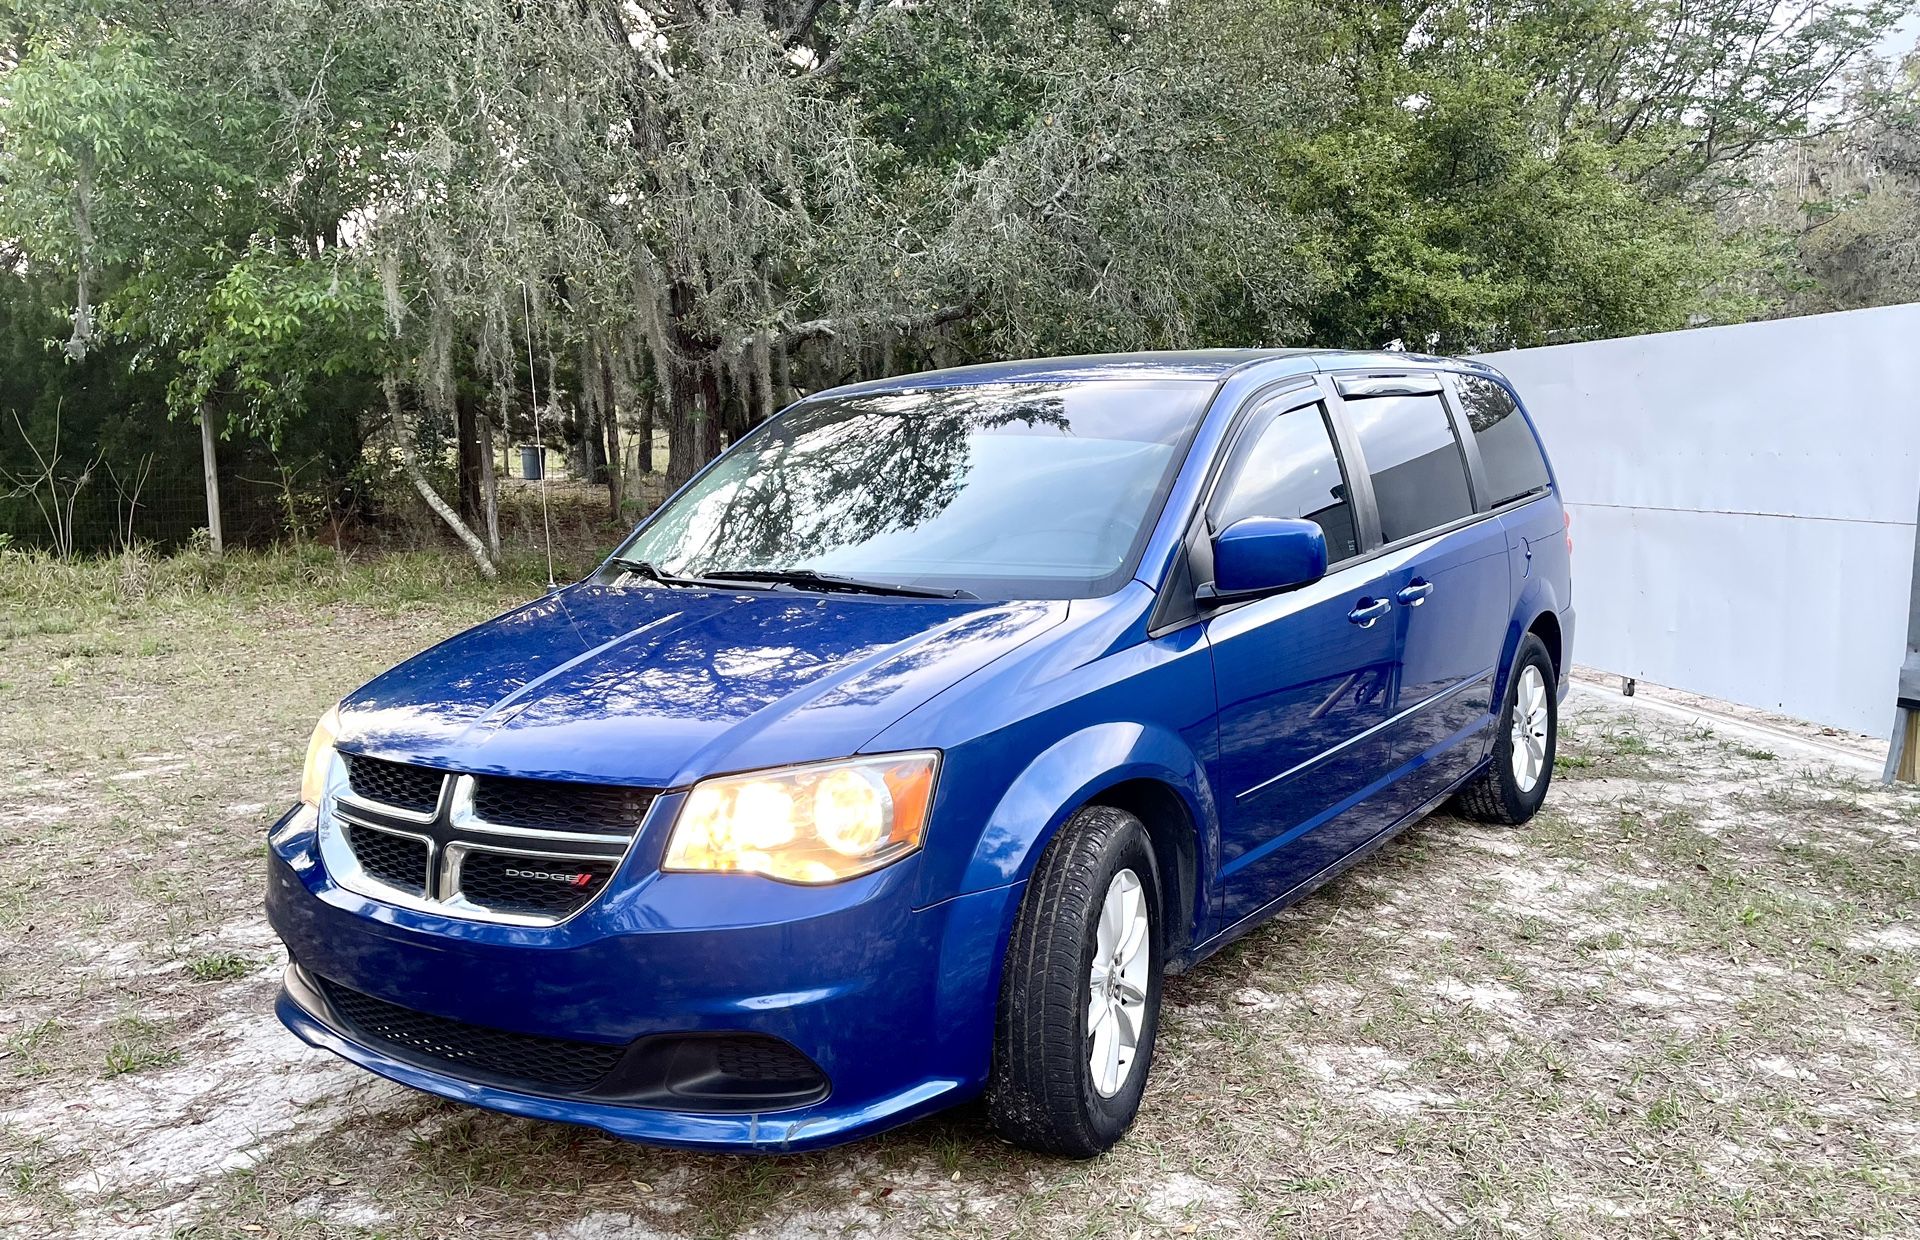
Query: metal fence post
209, 464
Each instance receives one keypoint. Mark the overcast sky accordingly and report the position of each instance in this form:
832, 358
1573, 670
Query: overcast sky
1900, 39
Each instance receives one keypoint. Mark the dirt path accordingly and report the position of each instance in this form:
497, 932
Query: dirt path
1686, 1000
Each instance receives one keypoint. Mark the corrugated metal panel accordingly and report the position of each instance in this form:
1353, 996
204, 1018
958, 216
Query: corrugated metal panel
1744, 503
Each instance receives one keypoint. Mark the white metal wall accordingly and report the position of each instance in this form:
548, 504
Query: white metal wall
1743, 505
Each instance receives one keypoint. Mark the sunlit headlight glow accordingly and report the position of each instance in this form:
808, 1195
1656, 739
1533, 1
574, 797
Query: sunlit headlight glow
819, 823
320, 758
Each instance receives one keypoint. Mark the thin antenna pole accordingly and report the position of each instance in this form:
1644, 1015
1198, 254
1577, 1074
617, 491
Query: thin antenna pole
533, 385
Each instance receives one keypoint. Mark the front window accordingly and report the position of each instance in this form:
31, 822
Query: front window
1019, 490
1291, 471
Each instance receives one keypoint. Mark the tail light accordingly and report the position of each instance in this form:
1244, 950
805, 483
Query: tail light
1566, 520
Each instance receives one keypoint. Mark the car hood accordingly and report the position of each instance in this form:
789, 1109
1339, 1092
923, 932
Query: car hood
658, 687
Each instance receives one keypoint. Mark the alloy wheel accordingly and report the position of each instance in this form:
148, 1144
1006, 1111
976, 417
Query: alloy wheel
1530, 720
1117, 993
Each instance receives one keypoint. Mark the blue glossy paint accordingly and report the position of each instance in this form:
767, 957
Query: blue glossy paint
1305, 695
1258, 555
652, 686
1450, 638
1272, 738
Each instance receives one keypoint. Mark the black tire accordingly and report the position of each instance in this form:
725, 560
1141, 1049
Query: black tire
1041, 1094
1495, 795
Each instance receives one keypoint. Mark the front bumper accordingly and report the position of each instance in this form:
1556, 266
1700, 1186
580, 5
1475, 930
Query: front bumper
894, 1004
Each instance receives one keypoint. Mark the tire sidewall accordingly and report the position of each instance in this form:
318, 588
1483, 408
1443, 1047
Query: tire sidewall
1521, 805
1128, 848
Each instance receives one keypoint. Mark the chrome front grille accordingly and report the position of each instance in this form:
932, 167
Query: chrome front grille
516, 883
552, 805
489, 848
415, 789
403, 861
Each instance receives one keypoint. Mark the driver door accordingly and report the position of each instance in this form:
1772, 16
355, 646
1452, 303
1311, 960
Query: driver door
1303, 679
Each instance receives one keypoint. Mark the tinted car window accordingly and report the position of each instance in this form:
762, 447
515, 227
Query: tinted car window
1509, 454
1419, 476
1291, 471
1018, 490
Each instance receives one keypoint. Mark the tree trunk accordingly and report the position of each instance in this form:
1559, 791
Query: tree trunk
693, 403
410, 464
452, 518
645, 461
782, 380
714, 409
610, 416
683, 425
489, 484
473, 456
588, 446
210, 465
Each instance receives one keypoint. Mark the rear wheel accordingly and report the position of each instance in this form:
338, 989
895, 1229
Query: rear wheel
1511, 789
1080, 995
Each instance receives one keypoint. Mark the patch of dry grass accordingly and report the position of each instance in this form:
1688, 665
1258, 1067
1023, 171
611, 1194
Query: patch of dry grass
1686, 1000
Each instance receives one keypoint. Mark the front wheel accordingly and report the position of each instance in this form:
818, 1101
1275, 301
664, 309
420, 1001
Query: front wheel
1080, 994
1511, 789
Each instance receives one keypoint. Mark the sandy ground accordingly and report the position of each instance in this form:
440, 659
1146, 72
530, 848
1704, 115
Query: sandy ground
1686, 1000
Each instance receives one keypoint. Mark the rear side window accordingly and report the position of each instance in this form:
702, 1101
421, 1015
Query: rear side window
1509, 454
1419, 476
1290, 470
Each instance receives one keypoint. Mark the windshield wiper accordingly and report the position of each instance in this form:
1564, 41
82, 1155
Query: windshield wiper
810, 579
652, 572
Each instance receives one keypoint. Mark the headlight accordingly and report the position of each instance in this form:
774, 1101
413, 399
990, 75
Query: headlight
320, 758
818, 823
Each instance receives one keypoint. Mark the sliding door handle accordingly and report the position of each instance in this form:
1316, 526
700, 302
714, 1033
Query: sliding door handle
1415, 594
1369, 610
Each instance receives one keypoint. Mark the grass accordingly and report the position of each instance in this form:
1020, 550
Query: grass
24, 1048
27, 1174
1682, 1001
48, 597
139, 1044
220, 966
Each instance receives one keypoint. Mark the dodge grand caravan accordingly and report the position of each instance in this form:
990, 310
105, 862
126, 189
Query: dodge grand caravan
899, 756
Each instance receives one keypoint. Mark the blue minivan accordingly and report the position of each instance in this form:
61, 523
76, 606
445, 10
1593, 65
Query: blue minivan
899, 756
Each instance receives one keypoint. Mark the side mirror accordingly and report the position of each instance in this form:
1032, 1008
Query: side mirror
1264, 555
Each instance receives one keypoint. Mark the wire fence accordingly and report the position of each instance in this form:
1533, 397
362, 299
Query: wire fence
94, 506
95, 512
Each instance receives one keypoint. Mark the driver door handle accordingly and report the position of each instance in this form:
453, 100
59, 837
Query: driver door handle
1367, 611
1414, 594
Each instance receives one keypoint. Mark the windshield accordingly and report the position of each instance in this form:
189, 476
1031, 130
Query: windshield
1014, 490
